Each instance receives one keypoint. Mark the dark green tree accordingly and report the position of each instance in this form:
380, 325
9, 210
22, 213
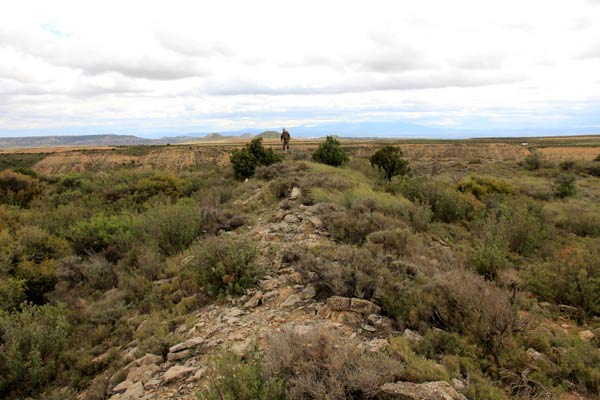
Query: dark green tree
245, 161
389, 161
330, 153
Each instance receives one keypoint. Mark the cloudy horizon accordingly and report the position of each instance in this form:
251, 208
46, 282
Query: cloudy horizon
151, 68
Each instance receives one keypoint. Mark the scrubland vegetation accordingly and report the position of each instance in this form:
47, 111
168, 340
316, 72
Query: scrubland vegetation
497, 268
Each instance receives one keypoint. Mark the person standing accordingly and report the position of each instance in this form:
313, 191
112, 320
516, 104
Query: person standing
285, 138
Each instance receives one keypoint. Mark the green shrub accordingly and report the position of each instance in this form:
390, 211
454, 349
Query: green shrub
330, 153
420, 216
225, 266
354, 225
581, 222
482, 187
236, 379
18, 189
12, 293
33, 341
389, 161
566, 165
99, 232
571, 277
593, 170
564, 186
174, 227
344, 271
457, 301
245, 161
597, 158
414, 367
317, 365
533, 161
447, 205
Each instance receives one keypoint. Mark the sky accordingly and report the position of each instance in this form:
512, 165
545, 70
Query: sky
158, 68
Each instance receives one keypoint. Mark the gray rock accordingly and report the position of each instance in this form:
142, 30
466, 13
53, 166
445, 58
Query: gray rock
459, 385
425, 391
292, 300
149, 359
296, 192
291, 219
317, 223
535, 355
254, 300
133, 392
142, 373
586, 335
364, 306
122, 387
309, 292
180, 355
188, 344
412, 336
369, 328
176, 373
338, 303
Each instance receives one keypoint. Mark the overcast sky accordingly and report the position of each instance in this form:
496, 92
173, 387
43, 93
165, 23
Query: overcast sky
173, 67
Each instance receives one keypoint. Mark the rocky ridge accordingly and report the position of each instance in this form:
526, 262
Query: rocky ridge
282, 301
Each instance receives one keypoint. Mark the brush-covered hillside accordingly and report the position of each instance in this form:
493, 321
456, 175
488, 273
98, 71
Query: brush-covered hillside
263, 275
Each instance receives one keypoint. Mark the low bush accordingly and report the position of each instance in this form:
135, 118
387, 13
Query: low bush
354, 225
581, 222
33, 341
345, 271
567, 165
18, 189
317, 365
174, 227
414, 367
571, 277
389, 161
245, 161
12, 293
457, 301
331, 153
99, 232
533, 161
235, 379
564, 186
447, 204
225, 266
482, 187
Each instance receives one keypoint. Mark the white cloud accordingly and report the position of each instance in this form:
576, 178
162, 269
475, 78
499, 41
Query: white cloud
64, 61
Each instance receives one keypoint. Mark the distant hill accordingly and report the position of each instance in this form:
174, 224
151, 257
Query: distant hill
269, 135
84, 140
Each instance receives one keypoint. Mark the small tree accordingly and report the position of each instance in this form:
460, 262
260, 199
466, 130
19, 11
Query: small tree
245, 161
564, 186
533, 161
330, 153
389, 161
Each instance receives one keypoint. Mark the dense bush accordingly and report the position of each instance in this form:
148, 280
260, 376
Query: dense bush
32, 342
331, 153
225, 266
18, 189
235, 379
564, 186
174, 227
533, 161
447, 204
99, 232
317, 365
354, 225
456, 301
12, 293
481, 186
389, 161
581, 222
245, 161
571, 277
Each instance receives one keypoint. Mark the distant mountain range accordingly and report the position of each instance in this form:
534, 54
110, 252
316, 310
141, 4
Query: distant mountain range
365, 129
